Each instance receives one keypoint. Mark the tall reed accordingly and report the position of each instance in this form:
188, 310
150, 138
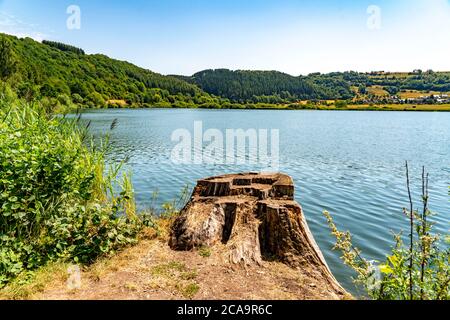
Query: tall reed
54, 201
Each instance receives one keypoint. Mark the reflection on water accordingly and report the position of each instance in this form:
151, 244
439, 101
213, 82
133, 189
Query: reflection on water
349, 163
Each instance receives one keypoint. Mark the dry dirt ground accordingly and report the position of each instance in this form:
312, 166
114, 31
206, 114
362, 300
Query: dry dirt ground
151, 270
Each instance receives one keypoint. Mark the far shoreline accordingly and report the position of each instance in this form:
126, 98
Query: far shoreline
381, 108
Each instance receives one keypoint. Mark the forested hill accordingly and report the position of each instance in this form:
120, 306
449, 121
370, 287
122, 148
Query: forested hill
276, 87
270, 86
58, 73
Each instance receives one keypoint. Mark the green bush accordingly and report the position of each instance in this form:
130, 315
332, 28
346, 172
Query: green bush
76, 98
416, 270
97, 99
53, 202
341, 104
64, 99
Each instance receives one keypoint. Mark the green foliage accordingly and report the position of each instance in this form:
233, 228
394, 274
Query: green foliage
190, 290
173, 208
8, 59
63, 47
53, 203
270, 86
52, 69
96, 99
274, 87
418, 270
422, 81
204, 252
341, 104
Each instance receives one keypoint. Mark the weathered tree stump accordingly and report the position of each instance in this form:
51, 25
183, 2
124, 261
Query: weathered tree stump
255, 217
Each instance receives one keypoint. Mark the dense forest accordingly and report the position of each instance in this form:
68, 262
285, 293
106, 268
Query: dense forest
276, 87
270, 86
63, 47
61, 74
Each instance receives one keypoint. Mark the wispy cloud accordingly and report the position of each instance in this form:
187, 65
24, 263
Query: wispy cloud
297, 37
13, 25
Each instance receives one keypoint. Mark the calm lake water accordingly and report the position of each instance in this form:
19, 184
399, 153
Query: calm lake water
349, 163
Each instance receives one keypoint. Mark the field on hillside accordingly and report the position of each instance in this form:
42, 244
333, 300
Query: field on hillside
377, 91
398, 107
411, 94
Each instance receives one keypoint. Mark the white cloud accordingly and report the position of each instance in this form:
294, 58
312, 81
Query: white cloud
12, 25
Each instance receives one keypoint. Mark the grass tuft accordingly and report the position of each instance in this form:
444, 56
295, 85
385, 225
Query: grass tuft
204, 252
27, 285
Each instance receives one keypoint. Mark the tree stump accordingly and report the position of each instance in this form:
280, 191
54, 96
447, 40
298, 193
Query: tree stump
255, 217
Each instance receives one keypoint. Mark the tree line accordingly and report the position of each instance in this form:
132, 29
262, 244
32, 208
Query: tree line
60, 74
55, 73
63, 47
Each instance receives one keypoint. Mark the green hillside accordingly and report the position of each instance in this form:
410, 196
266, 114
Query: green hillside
276, 87
60, 72
270, 86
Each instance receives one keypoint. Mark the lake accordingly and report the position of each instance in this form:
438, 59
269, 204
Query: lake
351, 163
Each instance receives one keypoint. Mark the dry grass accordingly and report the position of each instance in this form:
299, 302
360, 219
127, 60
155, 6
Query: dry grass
401, 107
121, 103
28, 286
377, 91
176, 276
389, 107
151, 270
411, 94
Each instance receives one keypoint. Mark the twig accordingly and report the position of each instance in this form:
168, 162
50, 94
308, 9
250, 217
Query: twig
424, 227
411, 220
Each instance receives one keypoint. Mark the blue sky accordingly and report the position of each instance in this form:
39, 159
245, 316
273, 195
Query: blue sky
294, 36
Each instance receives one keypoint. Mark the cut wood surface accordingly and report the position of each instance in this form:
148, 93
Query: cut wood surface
254, 217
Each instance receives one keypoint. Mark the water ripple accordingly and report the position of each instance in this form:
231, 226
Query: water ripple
349, 163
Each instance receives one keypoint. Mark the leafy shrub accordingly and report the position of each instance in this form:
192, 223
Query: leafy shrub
76, 98
418, 270
97, 99
53, 202
209, 105
341, 104
64, 99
